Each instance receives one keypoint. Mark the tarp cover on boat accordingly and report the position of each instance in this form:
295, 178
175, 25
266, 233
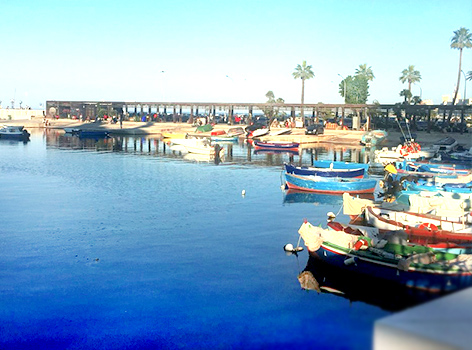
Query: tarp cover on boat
355, 206
440, 205
314, 236
204, 128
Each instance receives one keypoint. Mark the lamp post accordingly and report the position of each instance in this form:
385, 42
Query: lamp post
421, 91
344, 80
465, 85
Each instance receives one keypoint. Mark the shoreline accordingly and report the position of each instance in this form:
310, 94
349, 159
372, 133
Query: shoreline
341, 137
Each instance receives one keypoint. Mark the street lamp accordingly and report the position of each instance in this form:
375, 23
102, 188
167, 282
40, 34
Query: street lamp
344, 80
465, 85
421, 91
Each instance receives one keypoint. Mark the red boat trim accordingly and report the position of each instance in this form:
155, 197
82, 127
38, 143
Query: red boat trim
292, 186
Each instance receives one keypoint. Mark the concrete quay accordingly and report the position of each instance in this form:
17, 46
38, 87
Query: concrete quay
443, 323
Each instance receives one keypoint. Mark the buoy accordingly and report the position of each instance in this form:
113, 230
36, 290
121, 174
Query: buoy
243, 193
291, 249
331, 216
288, 247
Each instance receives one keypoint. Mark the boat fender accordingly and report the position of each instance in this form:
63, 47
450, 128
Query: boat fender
350, 261
331, 216
428, 226
361, 244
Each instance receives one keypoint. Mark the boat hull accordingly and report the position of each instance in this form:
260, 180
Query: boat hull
330, 185
432, 281
278, 146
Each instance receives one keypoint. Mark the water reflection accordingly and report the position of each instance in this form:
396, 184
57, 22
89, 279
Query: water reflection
297, 196
239, 152
325, 278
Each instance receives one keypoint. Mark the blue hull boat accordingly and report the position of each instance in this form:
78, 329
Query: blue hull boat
329, 184
448, 187
325, 172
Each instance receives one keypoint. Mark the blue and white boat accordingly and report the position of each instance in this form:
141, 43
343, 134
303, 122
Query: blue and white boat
329, 184
325, 172
432, 186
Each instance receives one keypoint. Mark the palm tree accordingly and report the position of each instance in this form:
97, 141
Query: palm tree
469, 77
462, 39
303, 72
365, 72
411, 76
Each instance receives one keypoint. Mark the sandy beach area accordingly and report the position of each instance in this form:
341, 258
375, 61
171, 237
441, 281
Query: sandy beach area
344, 137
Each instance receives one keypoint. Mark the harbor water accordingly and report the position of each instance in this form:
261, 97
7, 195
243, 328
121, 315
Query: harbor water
126, 244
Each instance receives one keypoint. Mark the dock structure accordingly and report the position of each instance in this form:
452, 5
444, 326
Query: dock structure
187, 111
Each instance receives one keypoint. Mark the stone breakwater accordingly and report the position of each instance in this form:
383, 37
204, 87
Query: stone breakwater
341, 137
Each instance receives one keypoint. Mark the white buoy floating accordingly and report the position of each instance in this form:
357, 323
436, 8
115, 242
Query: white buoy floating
331, 216
243, 193
291, 249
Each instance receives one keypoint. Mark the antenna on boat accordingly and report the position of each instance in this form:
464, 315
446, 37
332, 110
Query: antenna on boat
401, 129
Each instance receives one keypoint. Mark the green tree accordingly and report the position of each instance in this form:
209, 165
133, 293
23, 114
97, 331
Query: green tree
357, 89
406, 94
273, 112
303, 72
270, 96
462, 39
411, 76
469, 76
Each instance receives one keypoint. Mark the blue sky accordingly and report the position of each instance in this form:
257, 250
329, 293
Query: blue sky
225, 51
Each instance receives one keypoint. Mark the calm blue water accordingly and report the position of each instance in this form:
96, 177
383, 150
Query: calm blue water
139, 250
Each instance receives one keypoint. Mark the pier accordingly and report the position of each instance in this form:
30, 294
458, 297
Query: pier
187, 111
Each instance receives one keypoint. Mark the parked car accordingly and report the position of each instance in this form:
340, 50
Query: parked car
314, 129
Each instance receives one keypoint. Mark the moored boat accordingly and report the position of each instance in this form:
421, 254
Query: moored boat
14, 132
439, 240
224, 138
373, 137
411, 266
389, 219
276, 145
407, 151
83, 133
199, 145
174, 135
329, 184
325, 172
71, 130
339, 165
279, 131
446, 144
